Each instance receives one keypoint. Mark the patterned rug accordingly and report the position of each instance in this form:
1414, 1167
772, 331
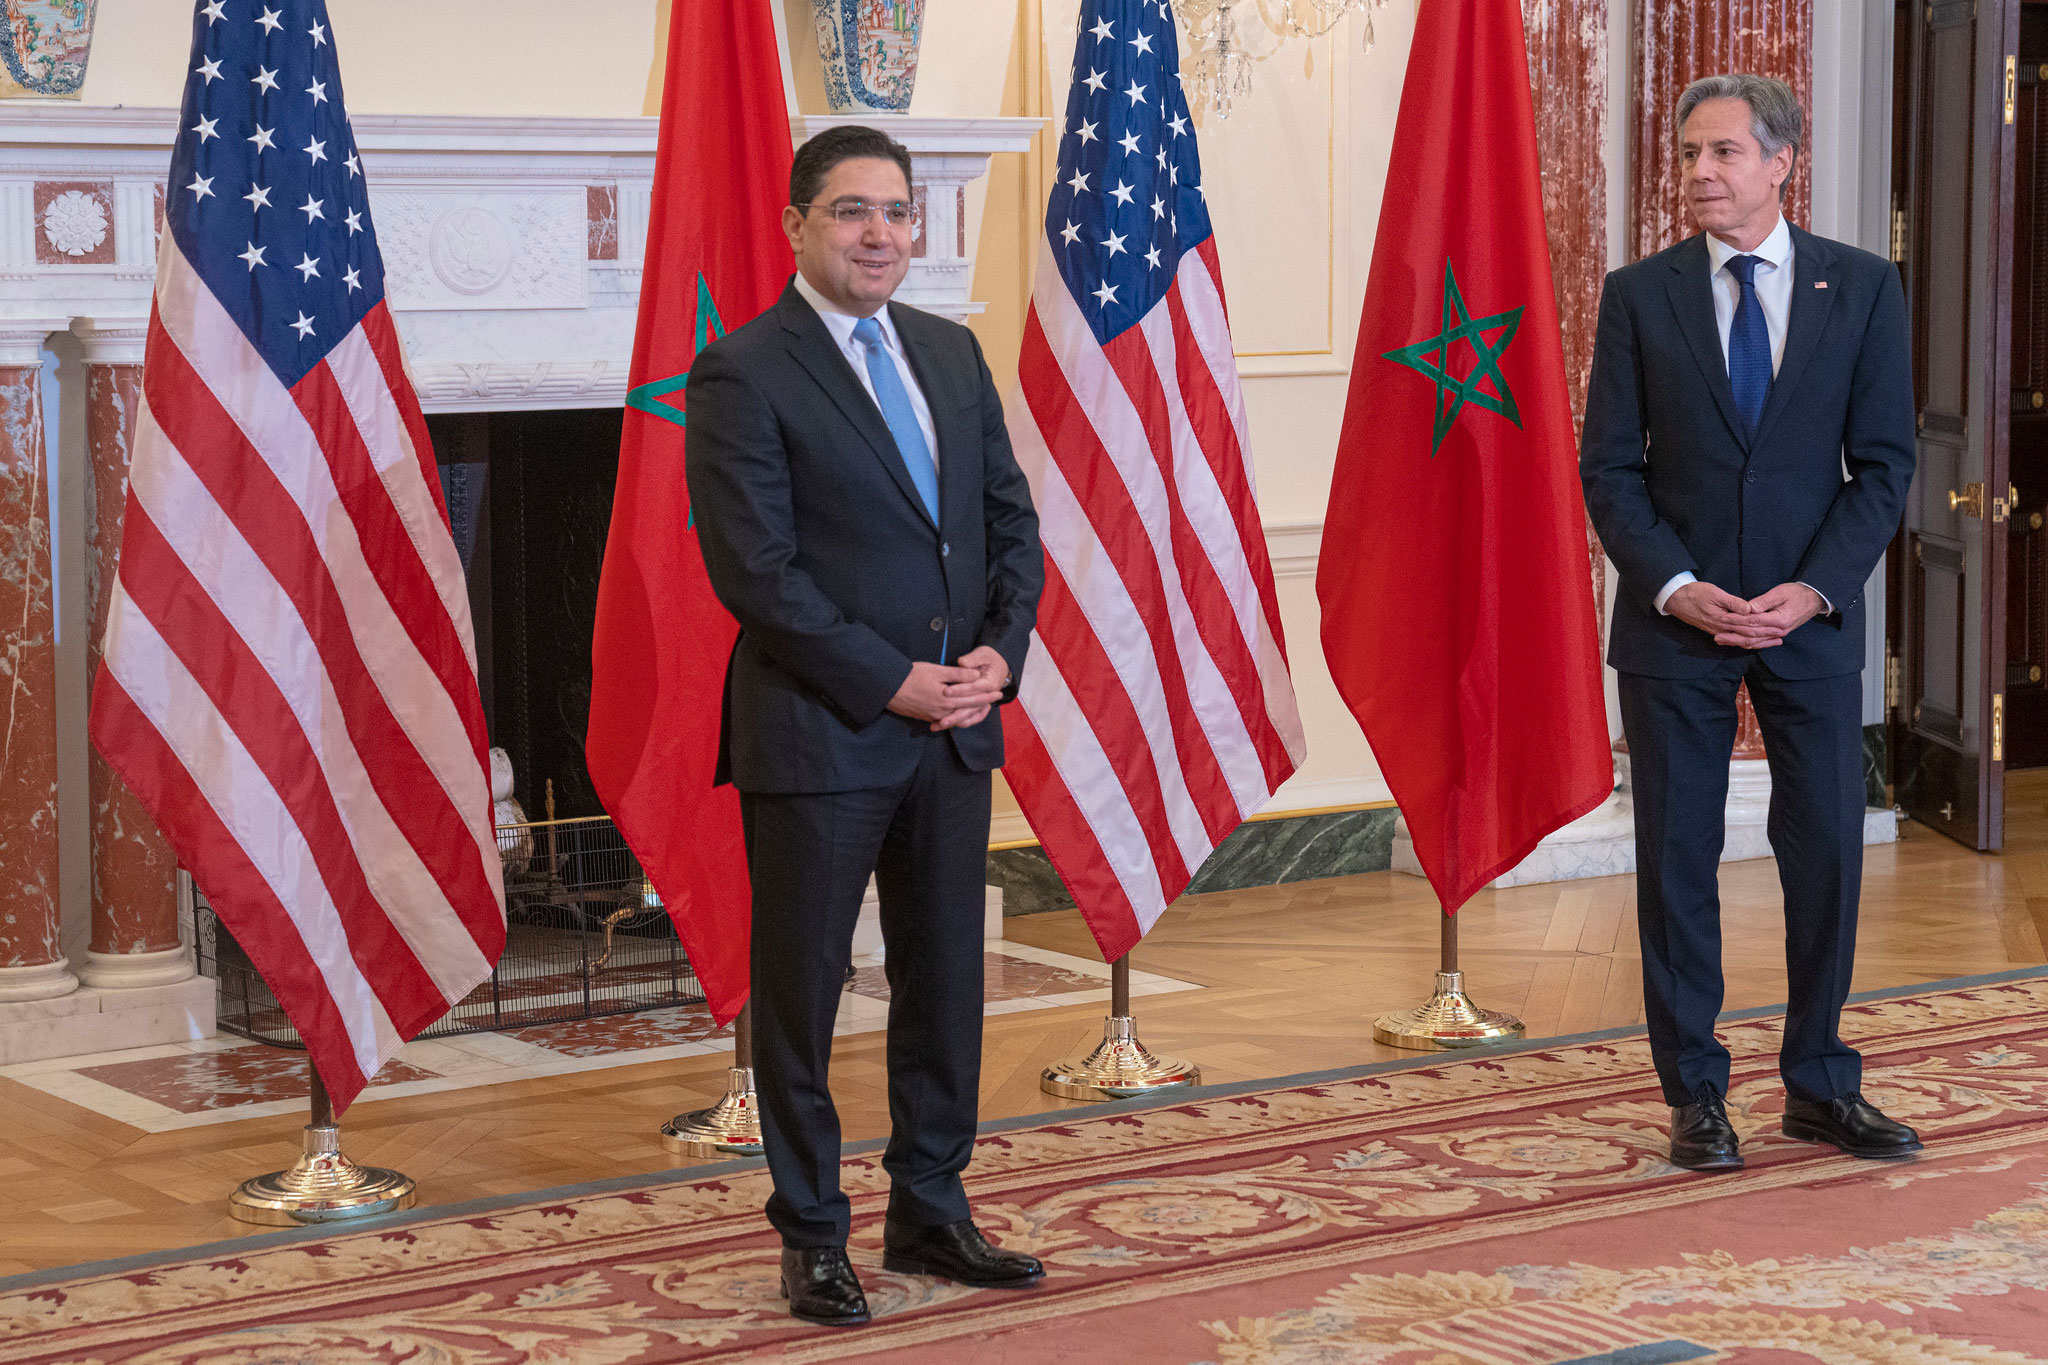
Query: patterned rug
1511, 1208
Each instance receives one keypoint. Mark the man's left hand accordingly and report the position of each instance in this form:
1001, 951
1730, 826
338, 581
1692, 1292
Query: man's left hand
1785, 609
976, 699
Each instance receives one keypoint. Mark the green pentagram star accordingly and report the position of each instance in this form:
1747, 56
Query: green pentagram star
1453, 393
652, 397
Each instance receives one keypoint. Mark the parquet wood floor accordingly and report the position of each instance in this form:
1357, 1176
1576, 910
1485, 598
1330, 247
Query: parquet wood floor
1294, 976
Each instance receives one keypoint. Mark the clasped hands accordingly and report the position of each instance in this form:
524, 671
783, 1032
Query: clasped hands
1759, 623
949, 698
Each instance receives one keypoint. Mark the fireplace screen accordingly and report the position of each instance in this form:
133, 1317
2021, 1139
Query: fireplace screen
585, 936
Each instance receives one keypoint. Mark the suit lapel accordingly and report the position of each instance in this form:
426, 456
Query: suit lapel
929, 367
812, 345
1812, 264
1692, 300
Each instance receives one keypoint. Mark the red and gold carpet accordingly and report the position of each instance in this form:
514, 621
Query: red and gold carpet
1504, 1209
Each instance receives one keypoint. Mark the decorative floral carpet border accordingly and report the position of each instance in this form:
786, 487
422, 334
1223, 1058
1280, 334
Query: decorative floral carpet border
1497, 1209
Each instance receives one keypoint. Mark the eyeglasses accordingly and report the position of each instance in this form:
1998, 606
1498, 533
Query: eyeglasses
852, 212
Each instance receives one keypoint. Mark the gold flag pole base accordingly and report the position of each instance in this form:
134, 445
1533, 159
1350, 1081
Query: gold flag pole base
1120, 1066
1449, 1020
731, 1127
322, 1186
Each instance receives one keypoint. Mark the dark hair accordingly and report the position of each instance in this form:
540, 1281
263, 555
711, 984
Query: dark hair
847, 142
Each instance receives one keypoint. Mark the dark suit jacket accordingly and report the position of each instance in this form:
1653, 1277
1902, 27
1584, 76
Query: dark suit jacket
1672, 485
817, 542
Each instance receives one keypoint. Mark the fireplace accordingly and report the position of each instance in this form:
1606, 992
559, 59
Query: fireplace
530, 500
512, 251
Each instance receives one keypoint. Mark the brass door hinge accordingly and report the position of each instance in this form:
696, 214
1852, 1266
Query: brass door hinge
1898, 234
2012, 83
1998, 727
1891, 681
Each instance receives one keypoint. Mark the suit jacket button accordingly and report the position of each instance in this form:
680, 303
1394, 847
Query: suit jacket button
945, 550
938, 623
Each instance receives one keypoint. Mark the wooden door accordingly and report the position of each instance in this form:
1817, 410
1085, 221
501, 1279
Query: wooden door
2026, 594
1957, 260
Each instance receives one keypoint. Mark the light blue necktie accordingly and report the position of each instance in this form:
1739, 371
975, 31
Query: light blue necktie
894, 401
1749, 347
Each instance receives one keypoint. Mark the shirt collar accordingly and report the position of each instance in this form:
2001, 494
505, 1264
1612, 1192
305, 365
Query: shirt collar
841, 324
1773, 251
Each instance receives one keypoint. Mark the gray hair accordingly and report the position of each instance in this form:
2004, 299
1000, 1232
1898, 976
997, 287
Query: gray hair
1774, 117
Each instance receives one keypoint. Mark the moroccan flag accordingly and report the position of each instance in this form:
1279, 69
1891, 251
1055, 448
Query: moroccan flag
716, 256
1455, 583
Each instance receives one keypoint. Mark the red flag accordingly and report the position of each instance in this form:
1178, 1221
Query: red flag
1455, 584
716, 257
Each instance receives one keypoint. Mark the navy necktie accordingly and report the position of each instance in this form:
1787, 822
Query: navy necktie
1749, 347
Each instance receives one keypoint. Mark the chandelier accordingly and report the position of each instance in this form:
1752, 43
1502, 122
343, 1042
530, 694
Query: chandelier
1226, 37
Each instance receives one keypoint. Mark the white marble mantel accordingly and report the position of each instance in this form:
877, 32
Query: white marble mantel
512, 246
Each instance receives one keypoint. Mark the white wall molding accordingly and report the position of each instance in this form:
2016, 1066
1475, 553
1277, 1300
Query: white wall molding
1294, 547
512, 246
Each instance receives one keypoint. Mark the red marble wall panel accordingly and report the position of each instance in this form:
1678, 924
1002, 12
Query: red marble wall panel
1567, 42
29, 925
1676, 43
604, 221
134, 874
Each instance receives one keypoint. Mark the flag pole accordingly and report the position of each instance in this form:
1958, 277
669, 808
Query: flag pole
731, 1127
1449, 1019
1120, 1066
323, 1186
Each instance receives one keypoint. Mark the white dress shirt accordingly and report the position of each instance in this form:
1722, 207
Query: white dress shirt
840, 325
1773, 281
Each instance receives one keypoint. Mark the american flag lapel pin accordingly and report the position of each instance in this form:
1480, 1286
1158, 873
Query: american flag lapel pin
1820, 284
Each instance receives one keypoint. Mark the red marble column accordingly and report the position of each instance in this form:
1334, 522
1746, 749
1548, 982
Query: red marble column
1676, 43
1567, 41
134, 874
32, 961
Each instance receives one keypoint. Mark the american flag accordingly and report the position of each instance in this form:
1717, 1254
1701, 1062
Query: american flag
289, 680
1157, 711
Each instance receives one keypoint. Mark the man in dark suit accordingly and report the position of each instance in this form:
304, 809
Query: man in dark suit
864, 520
1747, 450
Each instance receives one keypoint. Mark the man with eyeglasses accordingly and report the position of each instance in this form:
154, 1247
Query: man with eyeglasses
862, 517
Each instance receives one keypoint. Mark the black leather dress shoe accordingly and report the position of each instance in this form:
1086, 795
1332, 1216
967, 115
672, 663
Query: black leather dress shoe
1851, 1123
1702, 1139
822, 1288
958, 1252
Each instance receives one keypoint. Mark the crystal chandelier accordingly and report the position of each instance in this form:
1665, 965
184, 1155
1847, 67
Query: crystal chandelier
1225, 38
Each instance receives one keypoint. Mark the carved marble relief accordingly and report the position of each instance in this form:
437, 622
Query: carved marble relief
485, 249
74, 222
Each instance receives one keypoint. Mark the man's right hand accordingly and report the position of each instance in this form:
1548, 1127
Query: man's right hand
924, 695
1724, 616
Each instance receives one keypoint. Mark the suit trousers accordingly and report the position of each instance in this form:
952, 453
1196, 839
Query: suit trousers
810, 854
1680, 732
